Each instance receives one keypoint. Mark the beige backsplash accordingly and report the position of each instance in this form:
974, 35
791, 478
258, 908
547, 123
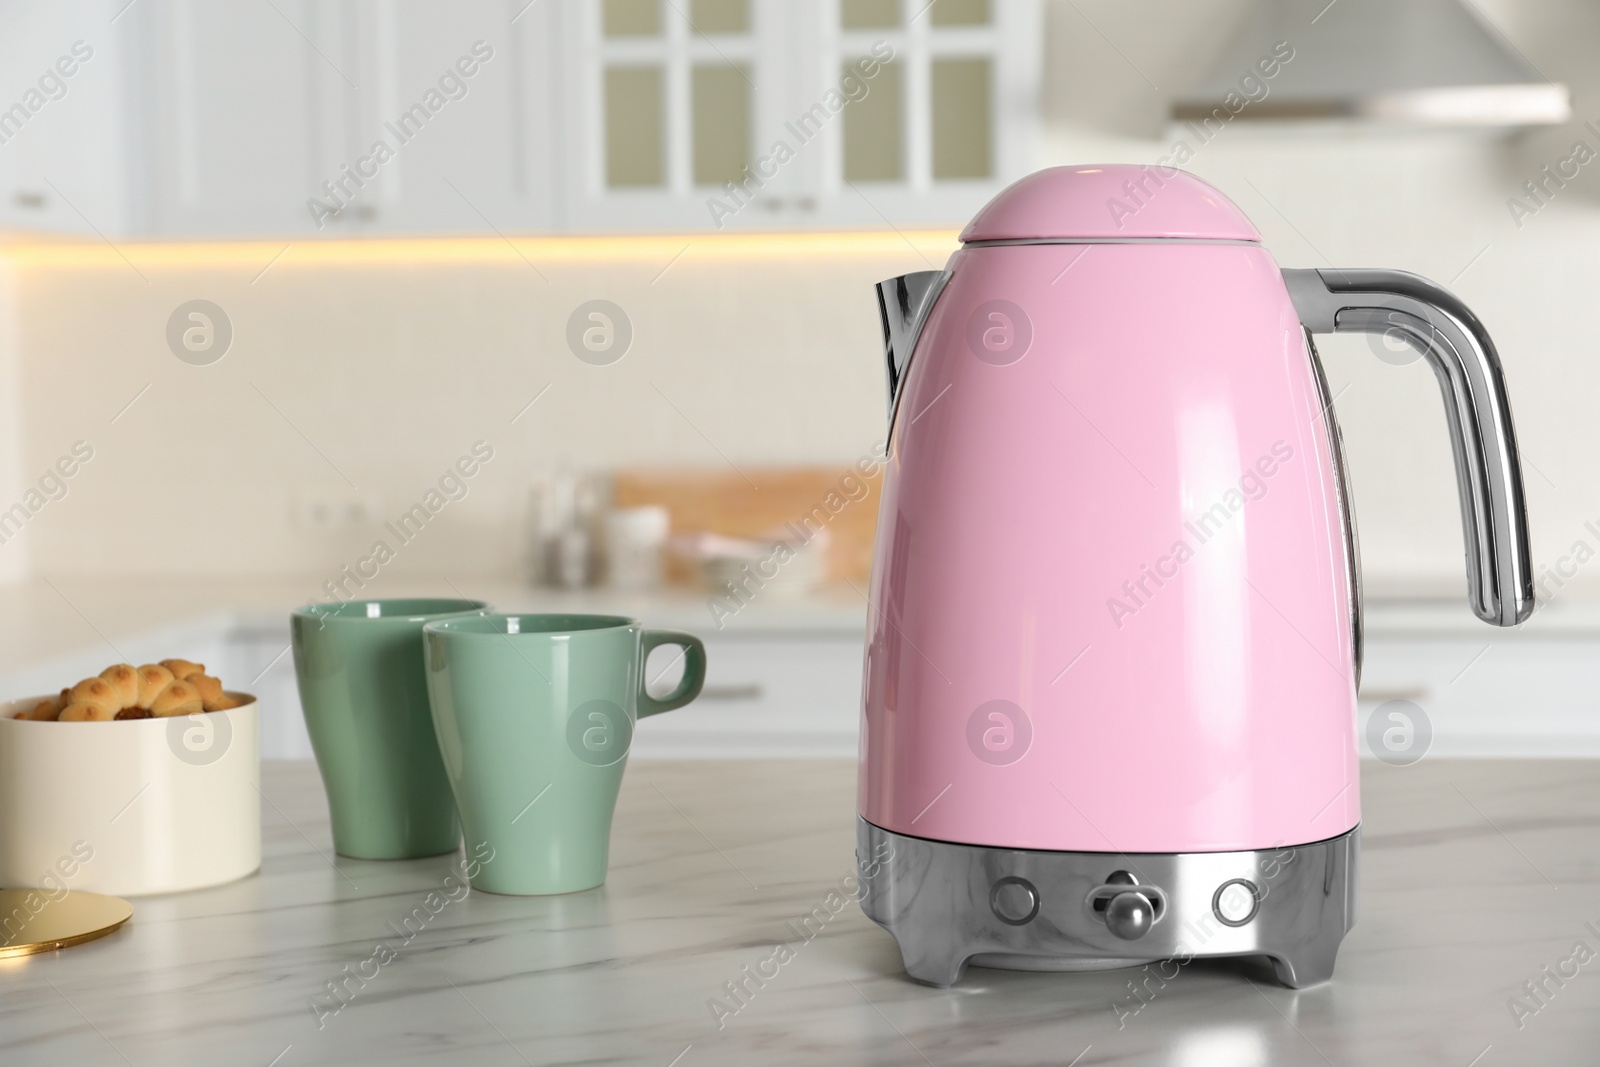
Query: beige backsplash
363, 385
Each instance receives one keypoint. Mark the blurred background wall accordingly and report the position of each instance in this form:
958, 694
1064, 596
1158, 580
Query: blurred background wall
762, 353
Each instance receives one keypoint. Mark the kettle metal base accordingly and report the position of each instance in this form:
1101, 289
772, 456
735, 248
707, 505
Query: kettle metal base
950, 904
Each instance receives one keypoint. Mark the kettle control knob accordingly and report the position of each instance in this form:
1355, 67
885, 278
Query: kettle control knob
1014, 901
1129, 915
1236, 901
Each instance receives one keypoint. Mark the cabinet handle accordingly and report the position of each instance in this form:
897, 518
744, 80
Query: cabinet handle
1381, 695
752, 691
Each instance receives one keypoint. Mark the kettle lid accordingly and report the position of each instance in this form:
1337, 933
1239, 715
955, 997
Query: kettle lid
1109, 201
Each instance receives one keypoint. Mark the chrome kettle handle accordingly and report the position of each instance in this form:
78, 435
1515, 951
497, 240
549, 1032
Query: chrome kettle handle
1494, 515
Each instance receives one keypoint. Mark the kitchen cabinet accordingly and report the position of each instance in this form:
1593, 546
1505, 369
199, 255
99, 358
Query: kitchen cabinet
737, 114
63, 148
182, 118
237, 118
795, 694
1509, 694
791, 694
784, 677
404, 116
458, 97
400, 116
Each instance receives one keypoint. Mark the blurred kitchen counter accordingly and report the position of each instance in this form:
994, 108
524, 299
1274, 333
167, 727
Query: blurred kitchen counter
785, 673
58, 617
50, 617
1476, 878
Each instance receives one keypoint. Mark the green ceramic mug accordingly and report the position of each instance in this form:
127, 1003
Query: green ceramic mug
535, 715
359, 665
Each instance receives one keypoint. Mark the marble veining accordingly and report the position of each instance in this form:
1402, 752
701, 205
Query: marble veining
723, 936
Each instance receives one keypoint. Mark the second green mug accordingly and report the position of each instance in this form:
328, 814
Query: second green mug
535, 716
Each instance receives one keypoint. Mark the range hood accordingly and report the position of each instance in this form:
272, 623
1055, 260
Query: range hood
1389, 62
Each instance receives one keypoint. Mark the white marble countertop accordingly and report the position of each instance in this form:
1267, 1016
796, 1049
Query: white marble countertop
1474, 878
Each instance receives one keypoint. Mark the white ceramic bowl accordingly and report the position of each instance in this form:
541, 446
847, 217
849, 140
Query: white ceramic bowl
130, 808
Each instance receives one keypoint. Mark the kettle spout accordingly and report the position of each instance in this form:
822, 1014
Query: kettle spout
904, 303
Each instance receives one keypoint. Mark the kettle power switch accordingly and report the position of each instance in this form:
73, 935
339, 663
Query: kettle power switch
1128, 908
1014, 901
1236, 902
1130, 915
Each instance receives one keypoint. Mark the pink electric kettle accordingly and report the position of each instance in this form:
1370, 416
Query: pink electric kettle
1115, 637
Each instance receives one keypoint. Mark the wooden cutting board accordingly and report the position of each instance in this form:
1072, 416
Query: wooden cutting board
801, 499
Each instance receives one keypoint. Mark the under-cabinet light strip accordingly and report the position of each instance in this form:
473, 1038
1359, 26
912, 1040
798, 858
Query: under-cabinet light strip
34, 251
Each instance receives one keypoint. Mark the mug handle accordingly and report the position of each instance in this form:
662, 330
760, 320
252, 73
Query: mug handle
694, 670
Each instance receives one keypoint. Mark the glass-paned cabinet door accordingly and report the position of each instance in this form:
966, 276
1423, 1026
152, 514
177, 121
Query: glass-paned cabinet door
942, 106
782, 114
667, 101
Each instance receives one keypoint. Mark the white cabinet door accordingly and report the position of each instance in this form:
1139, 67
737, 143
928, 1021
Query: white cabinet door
243, 109
62, 139
336, 118
1501, 694
452, 125
767, 696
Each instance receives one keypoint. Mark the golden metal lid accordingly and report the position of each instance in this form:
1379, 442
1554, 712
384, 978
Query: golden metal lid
36, 920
